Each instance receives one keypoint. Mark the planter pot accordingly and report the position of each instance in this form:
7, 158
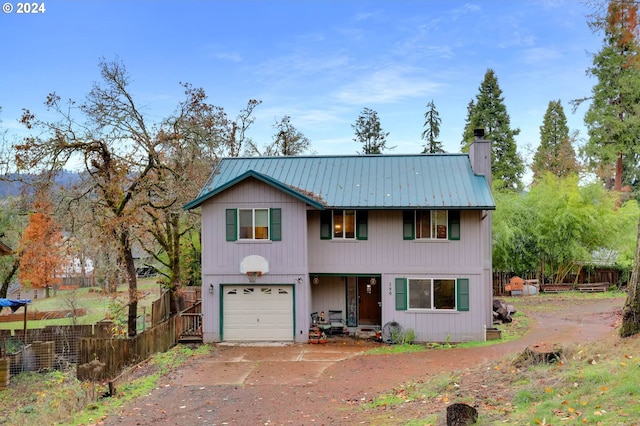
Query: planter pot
494, 334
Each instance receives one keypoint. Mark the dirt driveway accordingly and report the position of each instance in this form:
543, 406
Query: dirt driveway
305, 384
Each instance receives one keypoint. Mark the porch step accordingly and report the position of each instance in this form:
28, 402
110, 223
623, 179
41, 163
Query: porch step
366, 332
190, 339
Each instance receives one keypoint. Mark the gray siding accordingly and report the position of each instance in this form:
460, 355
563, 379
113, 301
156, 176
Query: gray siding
439, 326
387, 254
221, 259
301, 252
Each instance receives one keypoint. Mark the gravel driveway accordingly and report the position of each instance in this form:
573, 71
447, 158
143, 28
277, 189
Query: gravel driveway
302, 384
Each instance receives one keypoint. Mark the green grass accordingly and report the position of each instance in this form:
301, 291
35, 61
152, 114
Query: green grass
59, 398
596, 386
160, 364
594, 383
92, 299
397, 349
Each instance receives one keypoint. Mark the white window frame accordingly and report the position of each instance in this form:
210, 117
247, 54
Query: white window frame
432, 300
343, 225
433, 225
253, 225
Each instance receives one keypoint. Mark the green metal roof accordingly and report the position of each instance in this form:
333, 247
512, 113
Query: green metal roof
429, 181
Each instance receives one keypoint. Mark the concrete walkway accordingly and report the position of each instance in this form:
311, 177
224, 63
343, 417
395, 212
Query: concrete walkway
257, 364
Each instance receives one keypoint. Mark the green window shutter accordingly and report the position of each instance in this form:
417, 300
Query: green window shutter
463, 294
408, 225
232, 229
454, 224
275, 229
401, 294
362, 227
325, 224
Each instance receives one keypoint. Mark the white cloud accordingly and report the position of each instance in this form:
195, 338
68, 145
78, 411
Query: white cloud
229, 56
388, 84
299, 64
540, 55
467, 8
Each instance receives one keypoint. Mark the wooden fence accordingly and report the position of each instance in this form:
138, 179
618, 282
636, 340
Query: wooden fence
584, 276
43, 315
117, 354
160, 309
77, 281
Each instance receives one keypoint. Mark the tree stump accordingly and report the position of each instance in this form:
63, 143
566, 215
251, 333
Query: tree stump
461, 415
540, 353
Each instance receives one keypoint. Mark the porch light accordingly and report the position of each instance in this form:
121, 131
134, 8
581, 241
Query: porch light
210, 288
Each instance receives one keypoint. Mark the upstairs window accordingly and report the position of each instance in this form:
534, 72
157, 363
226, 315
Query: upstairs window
344, 224
253, 224
431, 225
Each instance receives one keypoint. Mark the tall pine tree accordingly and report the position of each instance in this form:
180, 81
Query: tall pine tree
490, 113
555, 154
432, 122
613, 117
613, 120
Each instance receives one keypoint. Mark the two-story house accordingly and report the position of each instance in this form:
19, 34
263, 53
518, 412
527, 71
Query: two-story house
404, 238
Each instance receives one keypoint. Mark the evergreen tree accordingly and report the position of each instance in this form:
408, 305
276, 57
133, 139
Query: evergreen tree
555, 154
490, 113
613, 117
468, 134
369, 132
431, 131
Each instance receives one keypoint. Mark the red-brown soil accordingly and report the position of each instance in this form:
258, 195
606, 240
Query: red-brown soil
328, 384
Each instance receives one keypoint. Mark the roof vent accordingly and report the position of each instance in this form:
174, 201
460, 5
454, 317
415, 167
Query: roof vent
478, 133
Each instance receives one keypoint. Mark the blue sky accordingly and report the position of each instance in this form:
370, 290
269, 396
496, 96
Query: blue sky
320, 62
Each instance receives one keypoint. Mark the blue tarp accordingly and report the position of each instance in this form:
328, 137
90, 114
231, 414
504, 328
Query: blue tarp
13, 304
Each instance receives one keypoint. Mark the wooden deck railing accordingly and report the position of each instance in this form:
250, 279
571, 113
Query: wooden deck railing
190, 328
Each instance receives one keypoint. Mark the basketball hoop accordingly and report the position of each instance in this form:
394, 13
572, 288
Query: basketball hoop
254, 266
253, 275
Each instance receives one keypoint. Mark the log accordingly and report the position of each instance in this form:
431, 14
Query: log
459, 414
502, 310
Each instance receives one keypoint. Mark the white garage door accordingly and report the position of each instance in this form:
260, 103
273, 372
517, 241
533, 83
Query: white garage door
257, 313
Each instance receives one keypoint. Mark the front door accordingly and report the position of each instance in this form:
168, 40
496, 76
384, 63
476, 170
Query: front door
369, 301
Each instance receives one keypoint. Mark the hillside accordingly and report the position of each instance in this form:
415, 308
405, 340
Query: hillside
11, 184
